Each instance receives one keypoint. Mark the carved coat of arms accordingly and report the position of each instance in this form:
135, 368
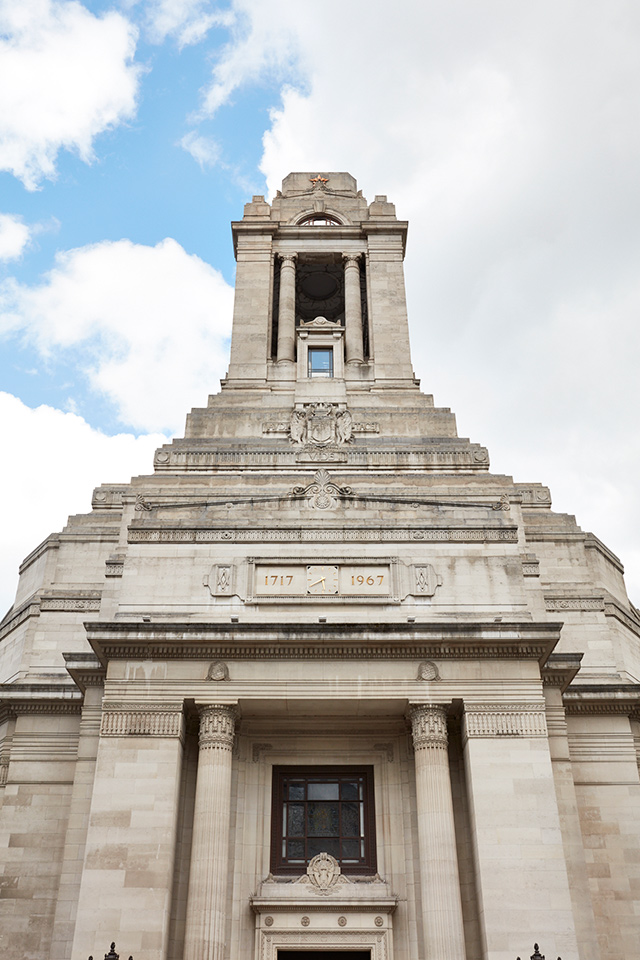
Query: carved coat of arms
320, 424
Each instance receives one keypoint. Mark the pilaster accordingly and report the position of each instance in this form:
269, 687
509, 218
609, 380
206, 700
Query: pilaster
522, 878
128, 862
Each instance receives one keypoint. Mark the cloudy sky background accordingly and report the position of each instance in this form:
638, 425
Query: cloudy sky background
506, 132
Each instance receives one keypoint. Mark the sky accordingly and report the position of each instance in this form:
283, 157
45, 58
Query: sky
132, 133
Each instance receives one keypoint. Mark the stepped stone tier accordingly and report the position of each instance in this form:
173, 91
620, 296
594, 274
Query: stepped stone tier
321, 683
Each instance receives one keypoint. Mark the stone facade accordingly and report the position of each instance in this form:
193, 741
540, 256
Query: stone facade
320, 589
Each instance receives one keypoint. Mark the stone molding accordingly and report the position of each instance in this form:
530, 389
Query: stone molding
114, 566
30, 609
384, 641
152, 720
471, 457
429, 726
83, 601
580, 604
217, 726
613, 609
166, 533
504, 720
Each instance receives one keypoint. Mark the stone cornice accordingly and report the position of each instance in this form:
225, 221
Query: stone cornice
20, 699
561, 669
621, 699
84, 669
331, 641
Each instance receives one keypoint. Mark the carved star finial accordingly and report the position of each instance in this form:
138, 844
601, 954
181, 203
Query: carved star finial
318, 179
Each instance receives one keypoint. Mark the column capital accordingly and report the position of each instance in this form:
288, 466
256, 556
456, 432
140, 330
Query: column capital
288, 259
217, 726
429, 726
351, 259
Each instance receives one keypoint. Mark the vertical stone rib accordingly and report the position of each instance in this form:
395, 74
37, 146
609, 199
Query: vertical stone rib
205, 926
287, 310
353, 310
441, 903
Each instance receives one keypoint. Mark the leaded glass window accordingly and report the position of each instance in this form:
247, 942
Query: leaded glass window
323, 810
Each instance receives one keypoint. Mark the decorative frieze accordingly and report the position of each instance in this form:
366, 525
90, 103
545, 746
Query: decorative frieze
67, 602
218, 671
114, 566
108, 498
530, 565
154, 720
429, 727
463, 457
303, 534
217, 726
505, 720
573, 604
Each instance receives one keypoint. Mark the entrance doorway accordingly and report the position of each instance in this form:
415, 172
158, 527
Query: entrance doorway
324, 955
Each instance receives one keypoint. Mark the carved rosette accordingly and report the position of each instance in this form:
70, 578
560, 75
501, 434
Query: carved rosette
217, 726
429, 727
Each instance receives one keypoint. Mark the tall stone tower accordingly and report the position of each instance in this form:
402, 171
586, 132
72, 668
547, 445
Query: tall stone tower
321, 684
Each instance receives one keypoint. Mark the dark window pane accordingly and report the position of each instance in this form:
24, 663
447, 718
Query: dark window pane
322, 791
295, 820
351, 819
323, 845
350, 849
295, 849
350, 791
296, 791
322, 820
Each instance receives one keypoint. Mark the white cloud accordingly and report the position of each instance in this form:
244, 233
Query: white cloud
65, 76
188, 21
503, 133
14, 236
40, 495
153, 321
204, 150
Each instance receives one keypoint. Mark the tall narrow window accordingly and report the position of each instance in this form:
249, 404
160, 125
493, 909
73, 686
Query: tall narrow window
320, 362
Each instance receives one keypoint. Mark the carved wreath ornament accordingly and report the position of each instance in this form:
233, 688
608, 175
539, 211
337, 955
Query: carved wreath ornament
322, 493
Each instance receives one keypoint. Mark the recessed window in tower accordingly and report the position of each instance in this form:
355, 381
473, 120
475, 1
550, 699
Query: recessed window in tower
320, 290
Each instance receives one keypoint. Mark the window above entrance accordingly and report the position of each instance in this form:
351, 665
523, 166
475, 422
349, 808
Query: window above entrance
319, 220
320, 361
323, 810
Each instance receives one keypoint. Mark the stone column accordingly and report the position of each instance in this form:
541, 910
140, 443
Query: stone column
353, 310
441, 902
205, 926
287, 310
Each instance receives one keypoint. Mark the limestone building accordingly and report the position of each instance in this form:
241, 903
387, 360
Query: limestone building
321, 684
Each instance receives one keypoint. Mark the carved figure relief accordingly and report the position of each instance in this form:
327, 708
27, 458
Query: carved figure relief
428, 671
320, 424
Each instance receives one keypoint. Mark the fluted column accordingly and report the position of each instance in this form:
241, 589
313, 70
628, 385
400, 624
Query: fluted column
353, 310
287, 310
205, 927
441, 902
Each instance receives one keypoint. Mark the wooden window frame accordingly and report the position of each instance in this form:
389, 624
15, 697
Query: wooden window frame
279, 866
